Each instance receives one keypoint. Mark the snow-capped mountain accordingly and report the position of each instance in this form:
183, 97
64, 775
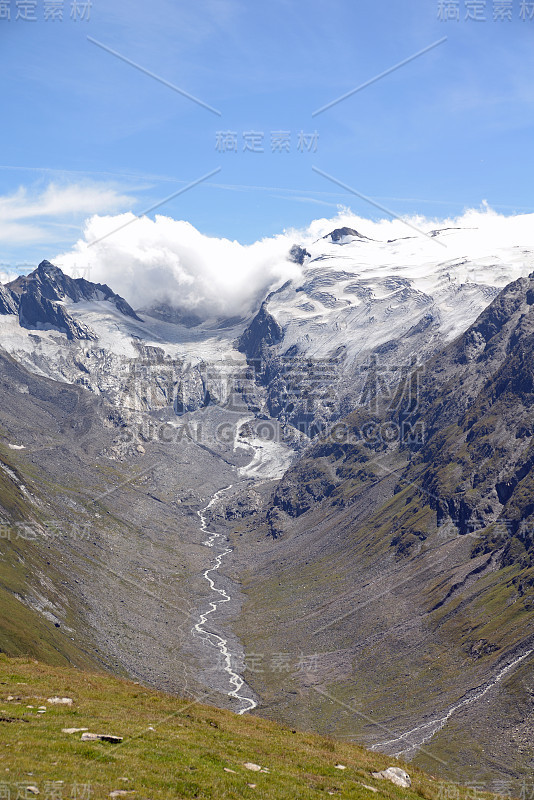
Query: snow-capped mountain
39, 300
303, 358
83, 333
363, 302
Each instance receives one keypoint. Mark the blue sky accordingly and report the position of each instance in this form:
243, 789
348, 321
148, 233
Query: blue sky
85, 133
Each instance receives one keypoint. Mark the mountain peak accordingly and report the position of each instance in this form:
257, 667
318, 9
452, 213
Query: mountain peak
47, 268
49, 279
337, 236
37, 299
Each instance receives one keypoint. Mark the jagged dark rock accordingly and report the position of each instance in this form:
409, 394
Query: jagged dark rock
262, 333
340, 233
38, 300
298, 254
54, 285
475, 404
9, 302
36, 311
192, 393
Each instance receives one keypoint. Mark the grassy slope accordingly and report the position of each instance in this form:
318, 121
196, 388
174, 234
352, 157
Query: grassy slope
183, 757
24, 631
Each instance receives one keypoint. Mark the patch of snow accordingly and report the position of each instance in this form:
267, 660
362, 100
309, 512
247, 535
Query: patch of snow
270, 461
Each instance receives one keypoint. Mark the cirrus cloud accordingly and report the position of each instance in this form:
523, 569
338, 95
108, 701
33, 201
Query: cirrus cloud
50, 214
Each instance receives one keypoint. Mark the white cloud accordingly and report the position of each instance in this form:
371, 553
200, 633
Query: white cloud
33, 215
168, 260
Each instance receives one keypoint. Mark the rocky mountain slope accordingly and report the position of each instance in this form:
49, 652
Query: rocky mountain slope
303, 358
361, 302
101, 545
401, 552
38, 300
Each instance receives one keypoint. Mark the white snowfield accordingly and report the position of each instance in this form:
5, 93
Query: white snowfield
270, 459
355, 293
360, 293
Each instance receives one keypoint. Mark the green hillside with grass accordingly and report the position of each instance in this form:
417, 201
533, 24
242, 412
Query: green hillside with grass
23, 559
171, 747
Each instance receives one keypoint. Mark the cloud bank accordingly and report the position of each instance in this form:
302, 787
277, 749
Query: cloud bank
164, 260
169, 261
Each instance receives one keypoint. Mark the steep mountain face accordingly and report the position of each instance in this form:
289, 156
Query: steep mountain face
36, 311
38, 300
401, 554
51, 283
303, 359
362, 303
477, 409
83, 333
8, 301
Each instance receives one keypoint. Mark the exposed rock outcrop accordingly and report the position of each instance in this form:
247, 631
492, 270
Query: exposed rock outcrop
53, 284
40, 298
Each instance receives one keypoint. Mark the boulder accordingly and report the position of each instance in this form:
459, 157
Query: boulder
396, 775
102, 737
60, 701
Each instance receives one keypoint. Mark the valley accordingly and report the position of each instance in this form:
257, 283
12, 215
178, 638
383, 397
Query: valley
319, 513
213, 639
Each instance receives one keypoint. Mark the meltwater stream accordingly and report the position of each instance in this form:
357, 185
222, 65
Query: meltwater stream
218, 641
417, 737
